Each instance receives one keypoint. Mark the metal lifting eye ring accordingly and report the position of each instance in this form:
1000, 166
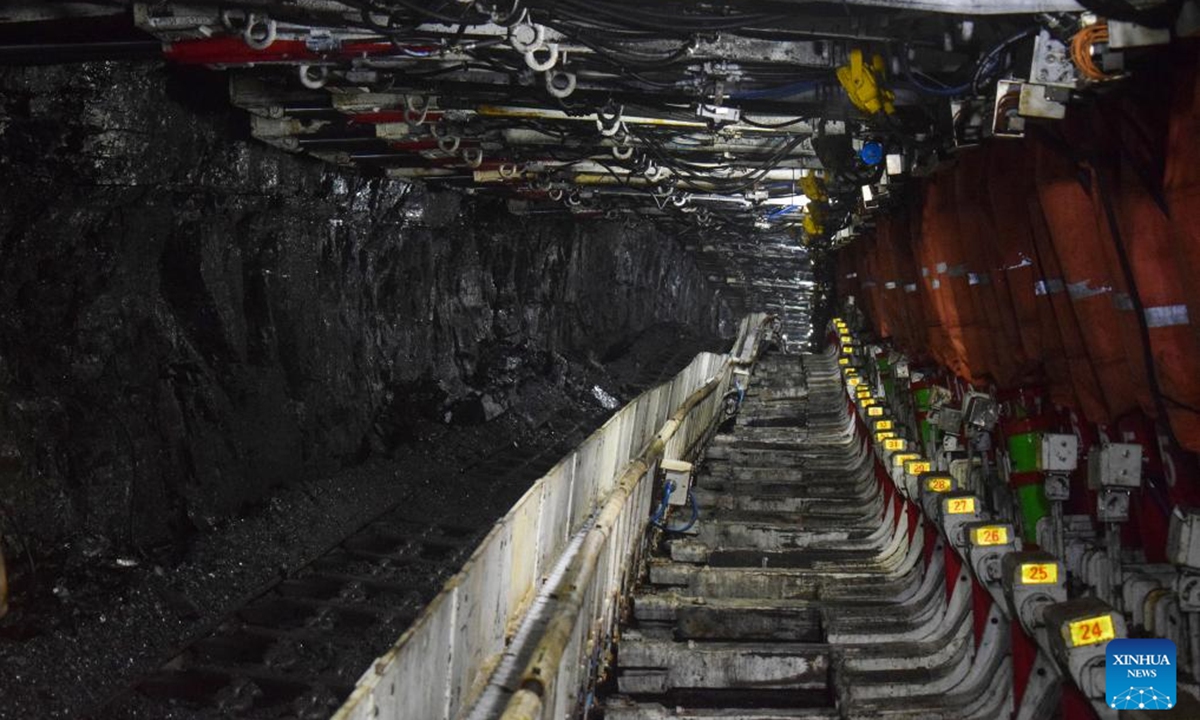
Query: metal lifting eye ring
438, 130
573, 200
314, 77
568, 78
540, 65
473, 157
412, 113
679, 200
556, 194
411, 104
525, 46
260, 32
622, 152
610, 125
613, 118
508, 170
448, 144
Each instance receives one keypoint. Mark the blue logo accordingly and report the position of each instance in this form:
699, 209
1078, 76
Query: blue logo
1139, 674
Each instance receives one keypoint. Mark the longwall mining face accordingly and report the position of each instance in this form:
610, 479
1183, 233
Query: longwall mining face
547, 359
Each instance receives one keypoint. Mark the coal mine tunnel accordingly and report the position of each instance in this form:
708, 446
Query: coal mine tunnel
600, 360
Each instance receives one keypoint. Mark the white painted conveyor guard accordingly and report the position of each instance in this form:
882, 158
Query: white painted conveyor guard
565, 550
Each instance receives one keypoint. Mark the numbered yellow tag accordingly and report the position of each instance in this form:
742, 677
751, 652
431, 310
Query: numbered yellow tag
1039, 573
883, 424
1092, 631
900, 459
989, 535
961, 506
939, 484
876, 411
866, 402
918, 467
886, 434
843, 361
893, 444
846, 339
863, 392
853, 381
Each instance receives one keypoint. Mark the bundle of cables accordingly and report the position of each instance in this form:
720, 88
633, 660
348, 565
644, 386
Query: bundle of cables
659, 518
1082, 44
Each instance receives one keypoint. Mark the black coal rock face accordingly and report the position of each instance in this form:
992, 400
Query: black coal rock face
189, 319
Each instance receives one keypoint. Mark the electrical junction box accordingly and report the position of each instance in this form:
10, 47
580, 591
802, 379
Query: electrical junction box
1117, 465
980, 410
1183, 538
679, 473
947, 419
1060, 452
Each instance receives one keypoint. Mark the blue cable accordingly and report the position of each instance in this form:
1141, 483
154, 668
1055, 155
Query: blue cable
781, 91
940, 92
657, 518
695, 516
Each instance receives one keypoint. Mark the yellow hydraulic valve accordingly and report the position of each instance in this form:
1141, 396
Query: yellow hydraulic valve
814, 220
864, 84
813, 188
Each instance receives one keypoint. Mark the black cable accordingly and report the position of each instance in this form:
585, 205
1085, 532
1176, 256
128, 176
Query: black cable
994, 54
771, 126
